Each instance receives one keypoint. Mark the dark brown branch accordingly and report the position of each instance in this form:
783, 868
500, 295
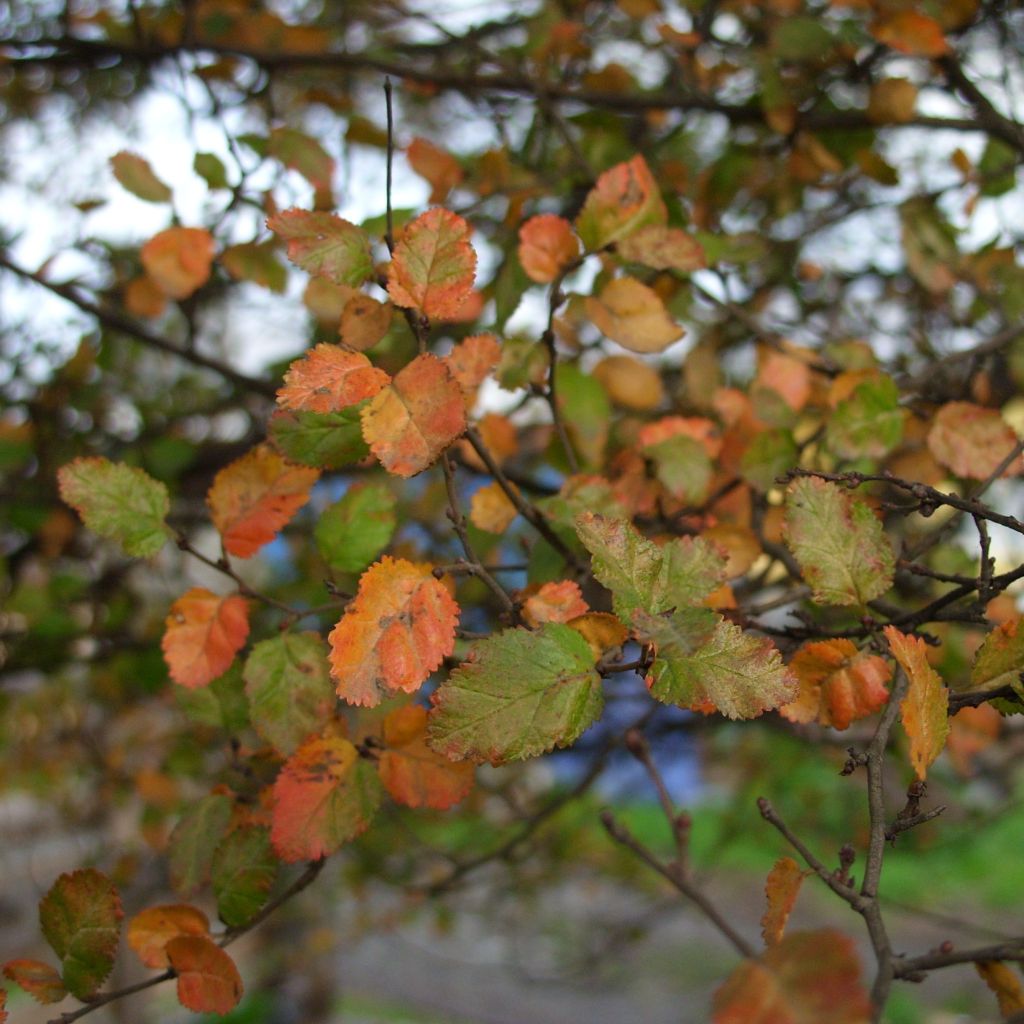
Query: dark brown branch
909, 966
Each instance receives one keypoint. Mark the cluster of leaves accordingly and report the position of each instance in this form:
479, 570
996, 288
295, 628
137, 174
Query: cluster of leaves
747, 529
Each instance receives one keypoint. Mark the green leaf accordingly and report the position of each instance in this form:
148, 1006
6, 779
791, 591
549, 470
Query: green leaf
1000, 659
243, 871
194, 839
222, 704
868, 424
642, 575
586, 412
211, 169
134, 173
770, 454
117, 501
255, 262
290, 692
838, 541
522, 694
354, 531
801, 38
998, 168
324, 245
701, 657
681, 463
327, 440
80, 919
302, 153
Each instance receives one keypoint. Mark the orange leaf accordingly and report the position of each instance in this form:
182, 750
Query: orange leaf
364, 321
433, 267
202, 635
630, 383
414, 774
786, 376
490, 508
912, 33
41, 981
602, 631
547, 245
178, 260
143, 298
698, 427
328, 378
208, 980
1005, 983
629, 312
838, 684
972, 441
438, 167
780, 889
150, 930
415, 418
325, 795
555, 602
624, 200
471, 362
254, 496
924, 709
399, 628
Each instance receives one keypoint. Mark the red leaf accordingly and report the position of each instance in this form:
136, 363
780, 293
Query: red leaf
254, 496
203, 634
208, 980
150, 930
41, 981
547, 245
781, 889
178, 260
398, 630
328, 378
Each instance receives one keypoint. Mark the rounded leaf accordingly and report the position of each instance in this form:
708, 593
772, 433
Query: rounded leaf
178, 260
150, 930
203, 633
208, 980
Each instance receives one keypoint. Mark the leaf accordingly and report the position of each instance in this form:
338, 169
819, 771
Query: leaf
868, 424
971, 730
924, 710
1005, 983
3, 1003
351, 533
41, 981
1000, 658
398, 630
150, 930
243, 870
555, 602
143, 298
630, 383
585, 411
194, 839
520, 694
806, 978
117, 501
321, 440
641, 575
364, 321
412, 773
80, 918
768, 456
624, 199
838, 684
663, 249
255, 262
300, 152
211, 169
781, 890
471, 362
256, 495
416, 417
202, 635
892, 101
325, 245
208, 980
433, 266
324, 796
972, 441
134, 173
289, 688
179, 260
911, 33
329, 378
221, 705
547, 245
787, 376
702, 658
440, 169
682, 466
491, 509
838, 541
632, 314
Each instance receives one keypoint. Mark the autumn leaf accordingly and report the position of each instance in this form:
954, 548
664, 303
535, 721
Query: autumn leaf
999, 660
41, 981
352, 532
242, 871
787, 376
630, 383
288, 684
412, 773
632, 314
179, 260
702, 658
520, 694
325, 795
119, 502
912, 33
603, 631
203, 633
256, 495
150, 930
971, 730
398, 630
195, 837
547, 245
80, 918
325, 245
663, 249
208, 980
491, 509
471, 362
302, 153
972, 441
1004, 983
560, 601
329, 378
924, 710
143, 298
781, 889
806, 978
416, 417
838, 541
433, 266
134, 173
364, 321
438, 167
256, 262
321, 440
3, 1003
892, 101
624, 200
867, 424
838, 684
